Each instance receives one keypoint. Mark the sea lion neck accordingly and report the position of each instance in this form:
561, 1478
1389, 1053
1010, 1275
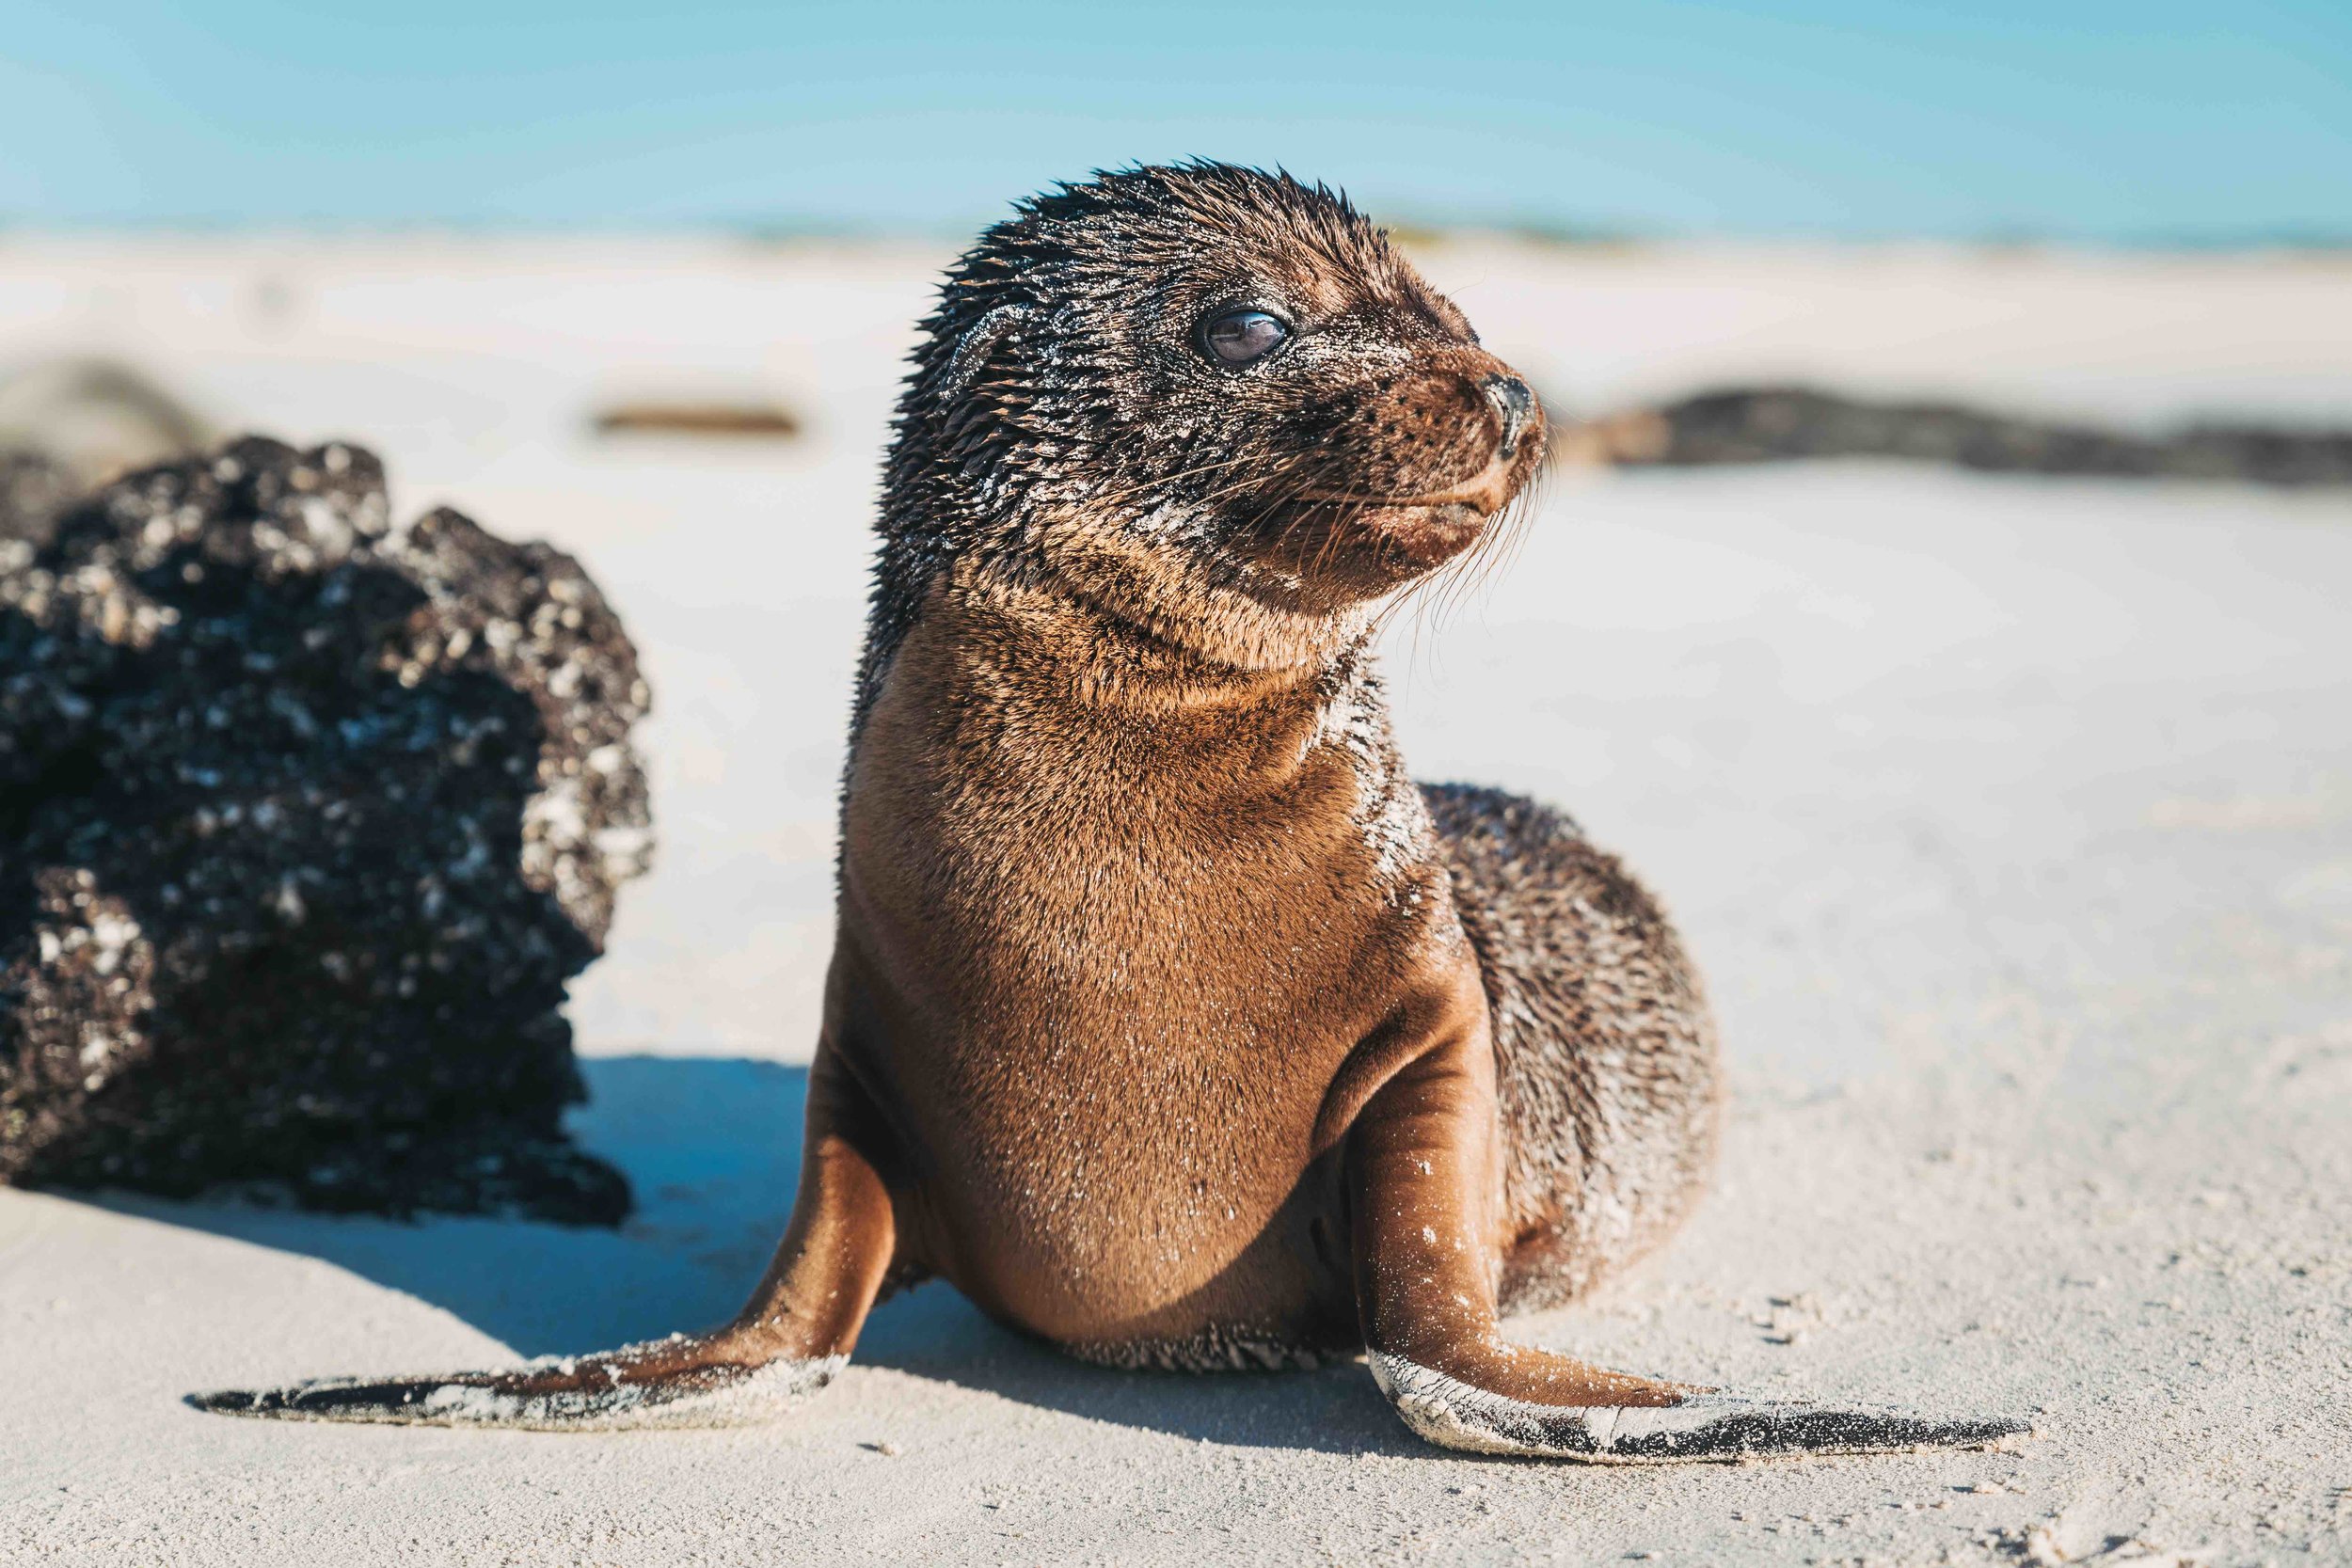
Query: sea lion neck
1051, 639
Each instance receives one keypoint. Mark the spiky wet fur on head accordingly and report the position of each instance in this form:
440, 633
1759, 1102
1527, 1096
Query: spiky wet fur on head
1061, 428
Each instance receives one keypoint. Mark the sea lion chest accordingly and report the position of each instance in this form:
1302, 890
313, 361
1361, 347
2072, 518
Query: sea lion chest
1109, 948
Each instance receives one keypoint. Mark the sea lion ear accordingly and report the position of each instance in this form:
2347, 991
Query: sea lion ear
978, 341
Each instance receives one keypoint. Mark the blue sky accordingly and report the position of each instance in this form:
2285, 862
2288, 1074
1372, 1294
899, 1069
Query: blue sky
2069, 118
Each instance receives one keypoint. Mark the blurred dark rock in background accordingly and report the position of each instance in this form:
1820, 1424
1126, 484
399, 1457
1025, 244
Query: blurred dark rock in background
747, 419
1784, 423
306, 822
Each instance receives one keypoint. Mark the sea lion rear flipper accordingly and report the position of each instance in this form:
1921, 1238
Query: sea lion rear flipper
793, 1336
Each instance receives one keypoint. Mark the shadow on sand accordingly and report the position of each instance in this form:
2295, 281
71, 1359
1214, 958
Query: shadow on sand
712, 1146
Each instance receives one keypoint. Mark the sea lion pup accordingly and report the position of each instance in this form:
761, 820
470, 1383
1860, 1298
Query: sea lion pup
1168, 1019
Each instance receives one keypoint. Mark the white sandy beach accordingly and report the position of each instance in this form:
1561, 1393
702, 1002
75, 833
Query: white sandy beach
2011, 819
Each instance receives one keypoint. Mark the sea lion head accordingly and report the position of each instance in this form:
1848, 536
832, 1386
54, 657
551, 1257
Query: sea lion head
1212, 401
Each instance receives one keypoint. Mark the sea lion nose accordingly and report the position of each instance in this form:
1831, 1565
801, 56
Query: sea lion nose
1514, 405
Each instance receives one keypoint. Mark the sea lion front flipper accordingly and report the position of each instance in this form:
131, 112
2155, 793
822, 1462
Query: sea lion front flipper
663, 1382
1421, 1170
790, 1341
1698, 1426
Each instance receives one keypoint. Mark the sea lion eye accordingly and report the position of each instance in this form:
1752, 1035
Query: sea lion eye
1242, 337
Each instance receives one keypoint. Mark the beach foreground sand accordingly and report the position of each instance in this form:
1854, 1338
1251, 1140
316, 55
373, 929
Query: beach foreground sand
2012, 820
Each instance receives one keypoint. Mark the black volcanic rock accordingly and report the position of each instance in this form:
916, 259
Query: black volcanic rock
305, 821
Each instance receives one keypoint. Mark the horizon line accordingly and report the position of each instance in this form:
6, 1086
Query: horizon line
1408, 226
